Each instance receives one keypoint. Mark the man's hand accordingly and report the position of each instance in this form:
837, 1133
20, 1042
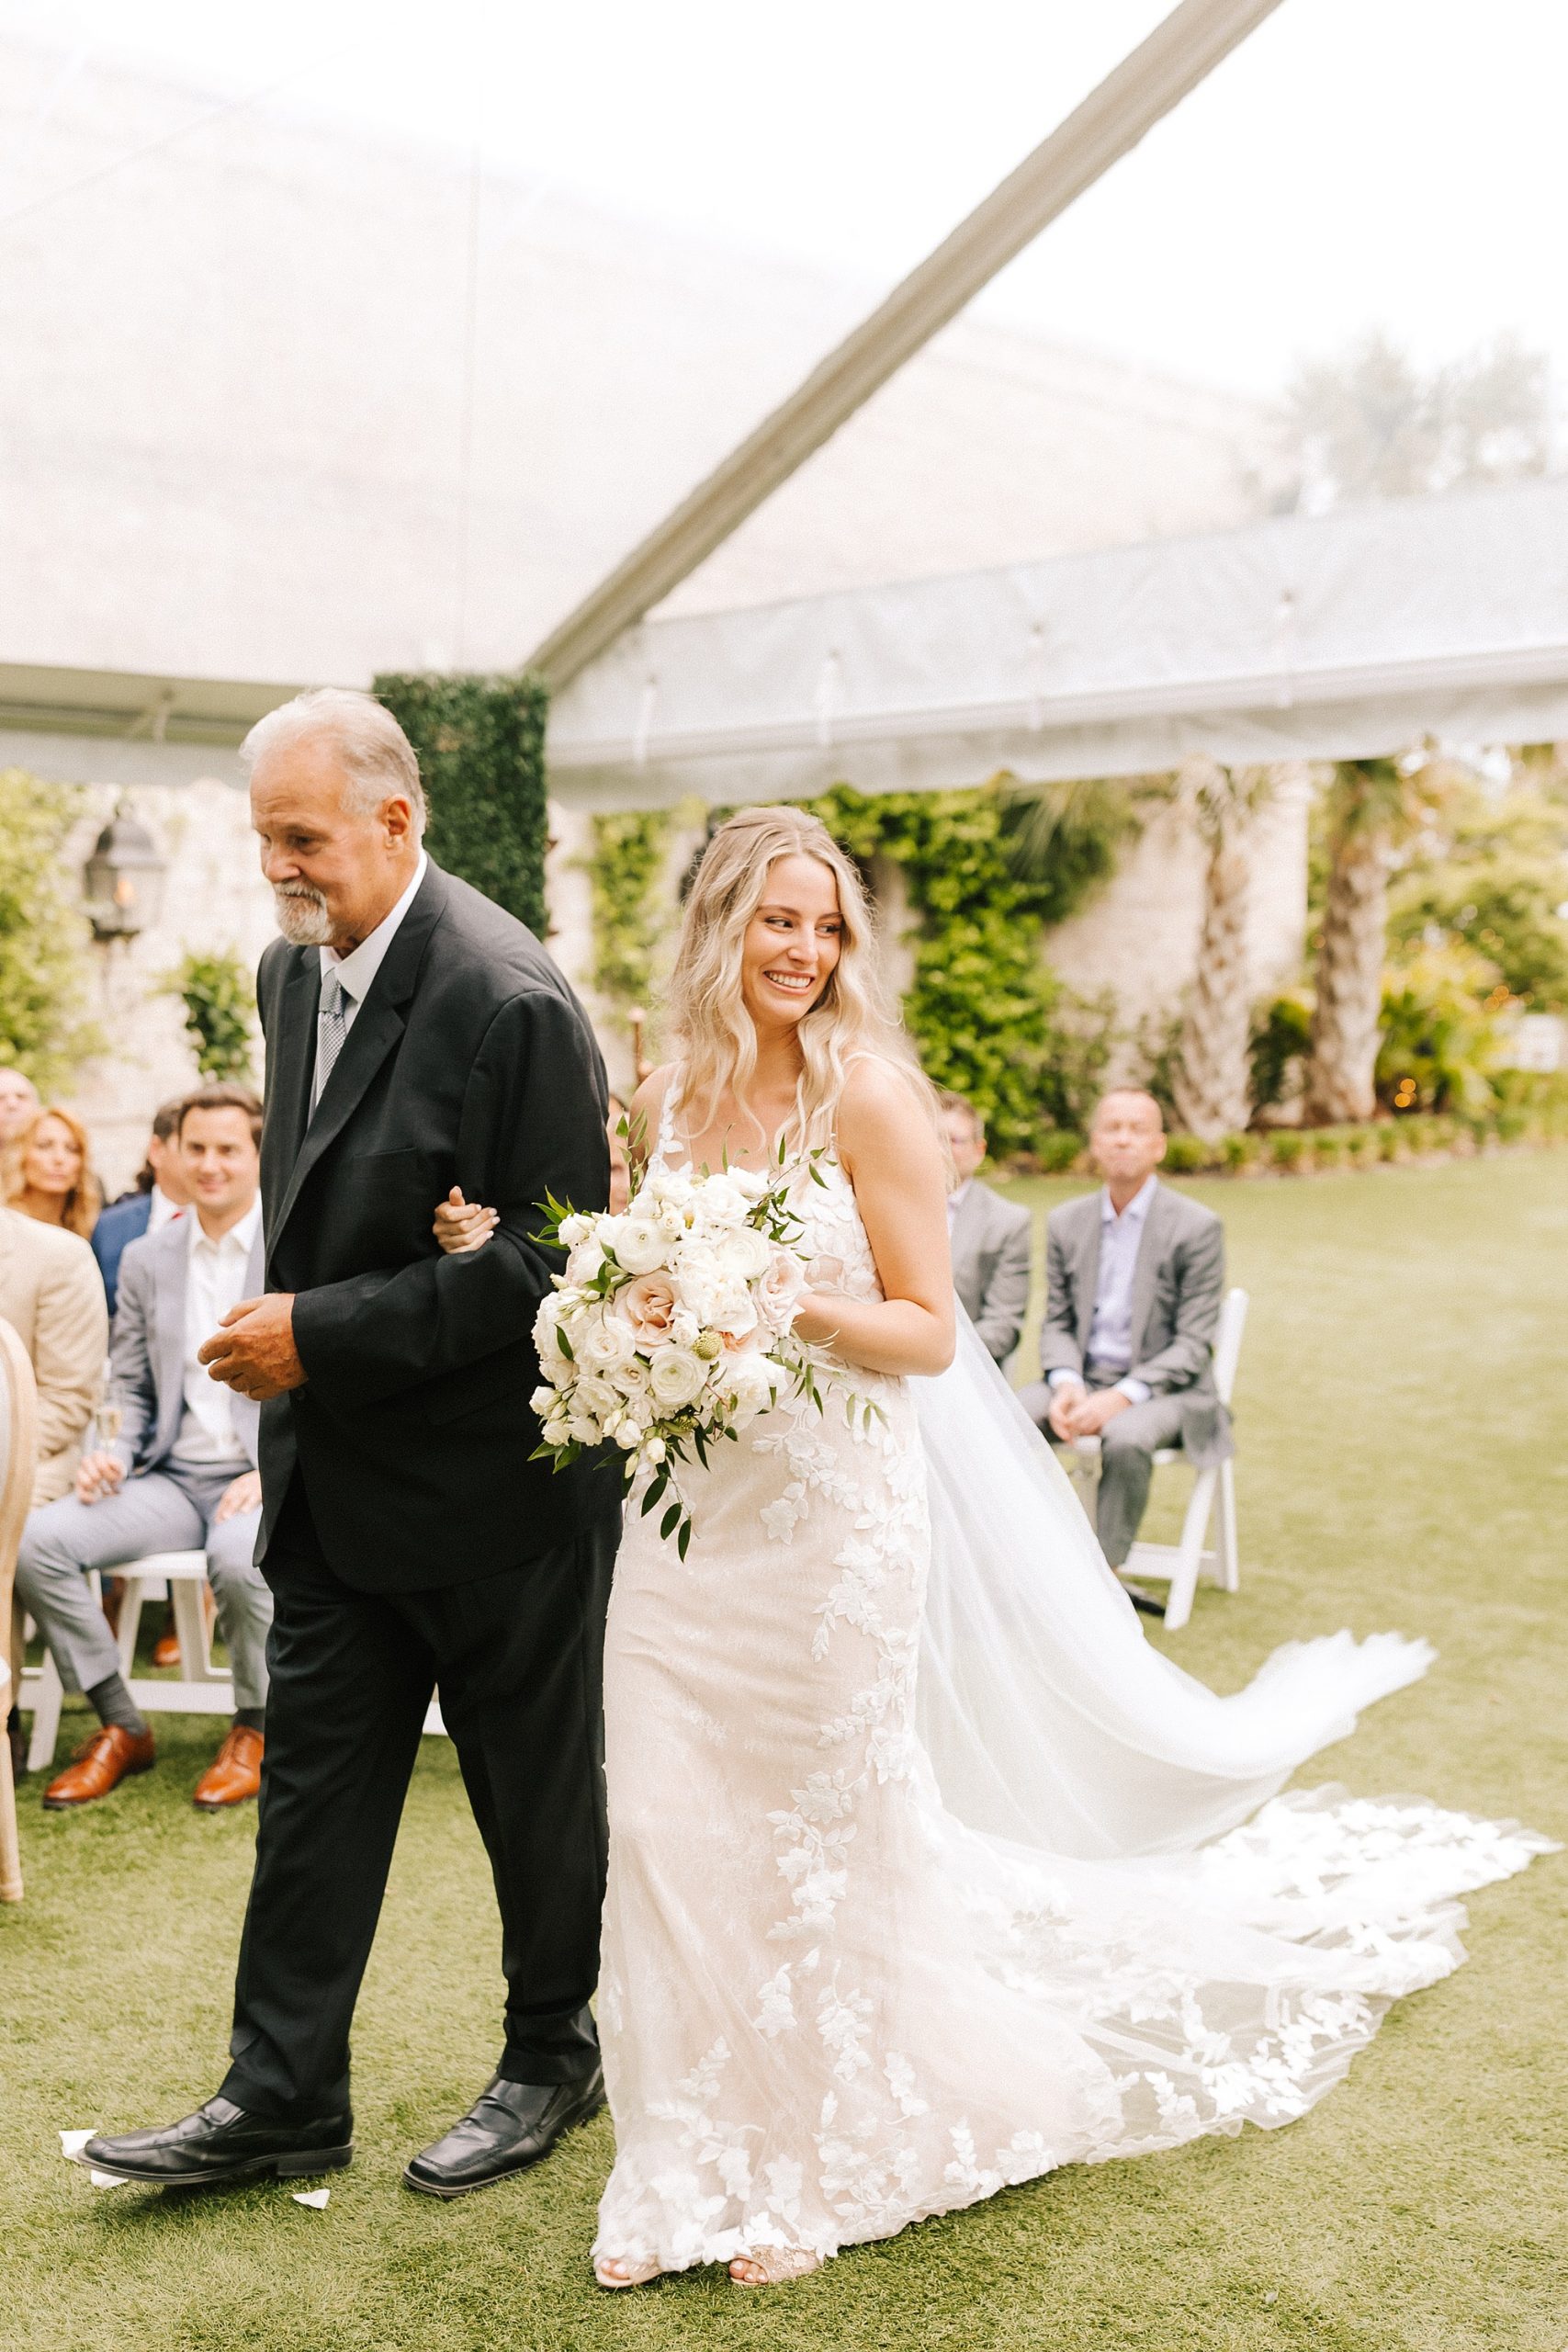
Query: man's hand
253, 1351
1066, 1396
1090, 1413
243, 1495
98, 1474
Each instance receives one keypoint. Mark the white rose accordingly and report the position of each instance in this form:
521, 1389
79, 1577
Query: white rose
654, 1450
779, 1291
676, 1377
631, 1377
582, 1432
554, 1361
683, 1328
627, 1436
574, 1230
721, 1200
542, 1401
601, 1342
639, 1247
753, 1383
595, 1397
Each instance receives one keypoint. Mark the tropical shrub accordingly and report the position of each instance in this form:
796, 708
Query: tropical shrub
43, 933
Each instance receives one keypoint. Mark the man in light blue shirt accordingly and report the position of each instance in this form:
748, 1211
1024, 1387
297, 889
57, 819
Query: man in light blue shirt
1135, 1276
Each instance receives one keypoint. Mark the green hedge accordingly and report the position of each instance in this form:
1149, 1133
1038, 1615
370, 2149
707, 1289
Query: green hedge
480, 743
1528, 1111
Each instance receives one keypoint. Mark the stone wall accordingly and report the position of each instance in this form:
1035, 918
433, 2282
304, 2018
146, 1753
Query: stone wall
214, 898
1138, 937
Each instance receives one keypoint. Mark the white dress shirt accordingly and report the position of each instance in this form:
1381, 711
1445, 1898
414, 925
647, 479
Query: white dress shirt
164, 1211
1110, 1347
215, 1281
359, 967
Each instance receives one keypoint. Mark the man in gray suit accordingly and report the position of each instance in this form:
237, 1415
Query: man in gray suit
179, 1474
989, 1236
1136, 1276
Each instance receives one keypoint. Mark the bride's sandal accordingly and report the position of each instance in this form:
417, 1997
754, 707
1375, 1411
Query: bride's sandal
774, 2266
611, 2271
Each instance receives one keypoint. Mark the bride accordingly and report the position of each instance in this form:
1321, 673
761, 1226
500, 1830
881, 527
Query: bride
927, 1873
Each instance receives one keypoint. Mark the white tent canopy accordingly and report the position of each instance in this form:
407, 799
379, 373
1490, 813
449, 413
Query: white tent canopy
1344, 637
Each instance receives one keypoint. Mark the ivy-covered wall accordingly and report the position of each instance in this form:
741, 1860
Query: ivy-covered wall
480, 742
988, 1017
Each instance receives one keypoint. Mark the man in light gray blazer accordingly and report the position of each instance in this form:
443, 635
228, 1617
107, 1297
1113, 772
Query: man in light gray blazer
179, 1474
1135, 1276
989, 1236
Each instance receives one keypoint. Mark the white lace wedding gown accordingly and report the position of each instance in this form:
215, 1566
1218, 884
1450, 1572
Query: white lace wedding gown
867, 1961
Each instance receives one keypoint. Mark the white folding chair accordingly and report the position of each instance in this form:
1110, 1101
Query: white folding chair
201, 1687
1181, 1564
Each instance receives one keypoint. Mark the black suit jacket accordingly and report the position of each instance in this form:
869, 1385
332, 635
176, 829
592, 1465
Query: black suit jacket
469, 1062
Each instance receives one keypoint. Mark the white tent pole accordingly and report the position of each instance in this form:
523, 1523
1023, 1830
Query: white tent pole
1178, 54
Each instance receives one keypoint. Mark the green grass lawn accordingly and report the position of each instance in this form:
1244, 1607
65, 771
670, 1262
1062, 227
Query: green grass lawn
1403, 1413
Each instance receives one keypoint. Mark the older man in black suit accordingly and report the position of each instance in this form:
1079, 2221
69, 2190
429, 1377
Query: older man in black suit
418, 1038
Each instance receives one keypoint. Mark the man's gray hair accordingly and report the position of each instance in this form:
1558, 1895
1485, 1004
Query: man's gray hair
375, 754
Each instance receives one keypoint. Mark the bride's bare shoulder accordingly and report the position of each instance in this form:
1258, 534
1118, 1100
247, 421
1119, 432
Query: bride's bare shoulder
883, 1106
646, 1108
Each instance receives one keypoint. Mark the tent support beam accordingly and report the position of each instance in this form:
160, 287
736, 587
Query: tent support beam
1181, 53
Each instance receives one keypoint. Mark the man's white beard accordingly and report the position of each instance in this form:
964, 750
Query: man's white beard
302, 916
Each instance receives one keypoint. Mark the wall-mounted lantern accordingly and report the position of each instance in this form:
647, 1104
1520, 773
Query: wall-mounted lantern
124, 878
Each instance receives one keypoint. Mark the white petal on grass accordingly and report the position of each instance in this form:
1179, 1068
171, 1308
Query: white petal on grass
108, 2180
72, 2143
315, 2197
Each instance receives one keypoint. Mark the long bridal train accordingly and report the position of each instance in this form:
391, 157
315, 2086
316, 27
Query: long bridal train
879, 1942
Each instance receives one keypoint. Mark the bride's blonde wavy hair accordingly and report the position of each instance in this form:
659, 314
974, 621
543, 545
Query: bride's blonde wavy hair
853, 1015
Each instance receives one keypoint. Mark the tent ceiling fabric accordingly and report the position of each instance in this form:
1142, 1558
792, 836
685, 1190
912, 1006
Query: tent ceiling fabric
1345, 637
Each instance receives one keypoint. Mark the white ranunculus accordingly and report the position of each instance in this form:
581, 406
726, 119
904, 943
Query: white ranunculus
603, 1341
740, 1251
584, 1261
676, 1377
640, 1248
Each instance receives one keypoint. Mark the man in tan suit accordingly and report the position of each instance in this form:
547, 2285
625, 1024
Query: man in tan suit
51, 1292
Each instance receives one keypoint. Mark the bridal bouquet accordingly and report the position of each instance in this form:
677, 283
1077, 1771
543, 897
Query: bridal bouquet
670, 1327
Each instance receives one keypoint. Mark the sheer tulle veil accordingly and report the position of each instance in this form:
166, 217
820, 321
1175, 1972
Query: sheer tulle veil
1048, 1718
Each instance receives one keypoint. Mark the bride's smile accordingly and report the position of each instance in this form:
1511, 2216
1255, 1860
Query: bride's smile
792, 943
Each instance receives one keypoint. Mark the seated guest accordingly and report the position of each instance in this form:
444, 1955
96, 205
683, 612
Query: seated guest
989, 1236
154, 1200
181, 1473
48, 1176
51, 1295
1136, 1276
19, 1102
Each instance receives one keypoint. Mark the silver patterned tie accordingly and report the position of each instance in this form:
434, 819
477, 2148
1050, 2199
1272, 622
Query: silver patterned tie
332, 1028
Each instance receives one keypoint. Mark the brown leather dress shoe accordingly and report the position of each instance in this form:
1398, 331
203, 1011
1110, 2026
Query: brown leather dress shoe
234, 1772
98, 1766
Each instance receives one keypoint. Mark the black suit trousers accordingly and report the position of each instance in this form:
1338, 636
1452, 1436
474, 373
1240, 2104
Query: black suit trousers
518, 1660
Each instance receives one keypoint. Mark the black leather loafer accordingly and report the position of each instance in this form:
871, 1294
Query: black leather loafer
508, 2127
221, 2143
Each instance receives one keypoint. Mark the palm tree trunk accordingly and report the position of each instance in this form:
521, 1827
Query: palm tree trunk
1210, 1080
1343, 1050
